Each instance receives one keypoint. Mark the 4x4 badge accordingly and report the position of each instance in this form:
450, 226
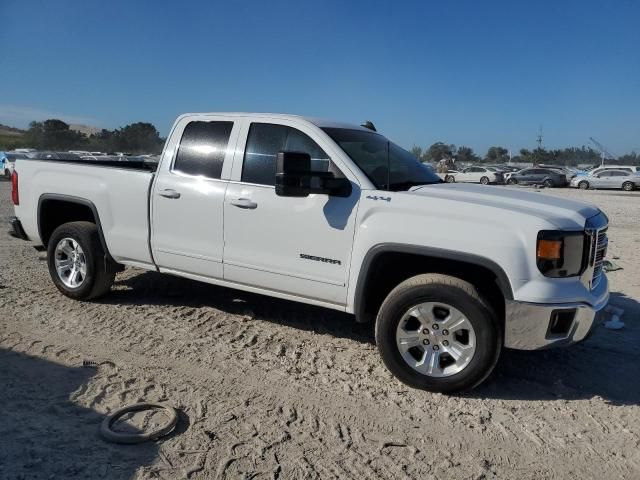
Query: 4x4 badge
376, 197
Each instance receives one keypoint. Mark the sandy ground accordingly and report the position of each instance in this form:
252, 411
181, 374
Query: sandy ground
274, 389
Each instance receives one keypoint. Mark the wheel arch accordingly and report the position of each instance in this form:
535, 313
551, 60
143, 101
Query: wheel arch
400, 262
50, 216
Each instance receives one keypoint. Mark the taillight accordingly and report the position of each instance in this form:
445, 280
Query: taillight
15, 197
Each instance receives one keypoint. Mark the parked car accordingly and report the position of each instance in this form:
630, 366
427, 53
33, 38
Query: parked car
449, 175
608, 178
10, 161
538, 176
333, 215
602, 168
483, 175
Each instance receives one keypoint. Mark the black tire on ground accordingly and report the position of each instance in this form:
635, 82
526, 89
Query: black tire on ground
7, 174
548, 183
450, 179
100, 271
484, 180
512, 181
628, 186
583, 185
460, 295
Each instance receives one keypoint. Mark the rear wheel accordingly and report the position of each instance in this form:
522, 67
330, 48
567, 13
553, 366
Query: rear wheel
628, 186
484, 180
77, 262
548, 183
583, 185
436, 333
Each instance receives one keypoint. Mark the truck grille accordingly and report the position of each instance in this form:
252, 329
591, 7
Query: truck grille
600, 251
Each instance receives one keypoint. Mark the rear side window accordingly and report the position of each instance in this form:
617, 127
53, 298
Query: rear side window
202, 148
264, 142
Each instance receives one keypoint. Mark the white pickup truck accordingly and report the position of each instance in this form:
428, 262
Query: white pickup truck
333, 215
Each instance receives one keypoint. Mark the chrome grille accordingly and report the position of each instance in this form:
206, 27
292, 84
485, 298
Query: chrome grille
599, 253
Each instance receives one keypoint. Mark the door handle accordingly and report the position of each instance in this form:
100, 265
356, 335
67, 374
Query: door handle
244, 203
168, 193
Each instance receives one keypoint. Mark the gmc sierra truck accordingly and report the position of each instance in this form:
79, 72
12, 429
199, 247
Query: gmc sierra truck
334, 215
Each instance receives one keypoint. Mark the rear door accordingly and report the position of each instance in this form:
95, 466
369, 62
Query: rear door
188, 196
298, 245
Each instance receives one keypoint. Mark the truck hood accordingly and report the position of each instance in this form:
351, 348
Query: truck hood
563, 213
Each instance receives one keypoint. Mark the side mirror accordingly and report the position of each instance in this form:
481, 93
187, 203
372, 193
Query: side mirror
294, 178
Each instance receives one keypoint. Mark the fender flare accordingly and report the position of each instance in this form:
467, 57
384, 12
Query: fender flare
502, 279
80, 201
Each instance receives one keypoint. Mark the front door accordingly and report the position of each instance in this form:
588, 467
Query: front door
298, 245
188, 196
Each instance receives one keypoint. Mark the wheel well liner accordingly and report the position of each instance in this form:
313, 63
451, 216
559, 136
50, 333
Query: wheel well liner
51, 215
370, 294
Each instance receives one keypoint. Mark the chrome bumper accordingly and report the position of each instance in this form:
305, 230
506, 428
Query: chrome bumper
535, 326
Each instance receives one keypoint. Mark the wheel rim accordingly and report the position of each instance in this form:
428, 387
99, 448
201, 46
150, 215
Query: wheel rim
583, 185
436, 339
70, 262
548, 183
627, 186
484, 180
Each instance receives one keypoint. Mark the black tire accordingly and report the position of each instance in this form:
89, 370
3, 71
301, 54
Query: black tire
512, 181
583, 185
484, 180
450, 179
628, 186
460, 295
100, 271
548, 183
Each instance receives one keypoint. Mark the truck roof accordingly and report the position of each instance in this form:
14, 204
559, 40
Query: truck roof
319, 122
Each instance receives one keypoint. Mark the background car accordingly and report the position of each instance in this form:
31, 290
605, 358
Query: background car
10, 162
608, 179
602, 168
449, 175
483, 175
538, 176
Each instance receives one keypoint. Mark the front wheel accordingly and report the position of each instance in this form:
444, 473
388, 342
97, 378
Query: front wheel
583, 185
484, 180
628, 186
77, 262
548, 183
435, 332
512, 181
449, 179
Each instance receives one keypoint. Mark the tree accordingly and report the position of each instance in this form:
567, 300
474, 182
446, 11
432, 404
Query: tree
466, 155
138, 137
53, 134
416, 151
497, 155
439, 151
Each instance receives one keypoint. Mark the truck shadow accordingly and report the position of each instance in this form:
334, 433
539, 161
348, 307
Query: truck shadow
151, 288
44, 434
607, 364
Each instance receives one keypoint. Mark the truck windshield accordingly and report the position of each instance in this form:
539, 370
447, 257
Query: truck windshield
374, 154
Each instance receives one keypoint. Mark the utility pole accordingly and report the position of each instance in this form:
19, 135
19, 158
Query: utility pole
539, 139
604, 154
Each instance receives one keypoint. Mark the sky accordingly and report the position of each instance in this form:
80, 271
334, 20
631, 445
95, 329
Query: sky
473, 73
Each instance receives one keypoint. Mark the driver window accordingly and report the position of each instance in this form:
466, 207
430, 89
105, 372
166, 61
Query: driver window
264, 142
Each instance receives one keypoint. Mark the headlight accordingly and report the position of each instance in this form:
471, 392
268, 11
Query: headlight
560, 254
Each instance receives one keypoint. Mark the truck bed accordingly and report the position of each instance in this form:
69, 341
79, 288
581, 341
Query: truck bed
117, 191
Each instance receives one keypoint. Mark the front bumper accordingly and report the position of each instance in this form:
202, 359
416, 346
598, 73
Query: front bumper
535, 326
16, 229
